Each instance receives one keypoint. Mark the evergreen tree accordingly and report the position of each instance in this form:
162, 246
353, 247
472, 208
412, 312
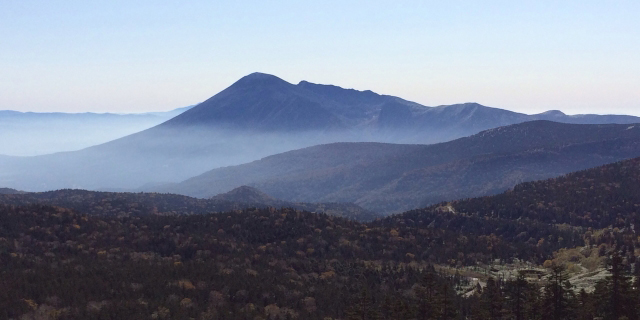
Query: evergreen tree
447, 299
616, 291
363, 308
516, 296
427, 294
477, 308
533, 305
401, 310
635, 292
493, 300
599, 296
584, 304
558, 296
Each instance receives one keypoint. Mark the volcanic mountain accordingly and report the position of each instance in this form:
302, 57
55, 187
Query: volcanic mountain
265, 103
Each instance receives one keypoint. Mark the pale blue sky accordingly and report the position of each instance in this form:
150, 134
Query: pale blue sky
136, 56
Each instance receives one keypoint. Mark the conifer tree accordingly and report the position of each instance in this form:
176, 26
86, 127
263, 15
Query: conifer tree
516, 296
615, 291
533, 305
584, 306
446, 303
493, 300
401, 310
635, 292
427, 294
363, 308
558, 296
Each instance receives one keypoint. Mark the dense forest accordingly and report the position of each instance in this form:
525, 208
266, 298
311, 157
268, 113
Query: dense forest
598, 198
595, 206
65, 261
275, 264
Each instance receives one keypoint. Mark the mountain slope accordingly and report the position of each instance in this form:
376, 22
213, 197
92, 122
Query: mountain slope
258, 116
601, 203
391, 178
259, 102
600, 197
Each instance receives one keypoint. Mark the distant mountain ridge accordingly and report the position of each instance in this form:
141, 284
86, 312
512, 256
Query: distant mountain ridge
38, 133
258, 116
10, 191
123, 203
391, 177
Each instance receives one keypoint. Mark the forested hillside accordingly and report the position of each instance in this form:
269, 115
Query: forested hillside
595, 206
598, 198
435, 263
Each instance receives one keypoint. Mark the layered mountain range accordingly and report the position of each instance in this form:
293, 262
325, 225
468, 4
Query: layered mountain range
258, 116
396, 177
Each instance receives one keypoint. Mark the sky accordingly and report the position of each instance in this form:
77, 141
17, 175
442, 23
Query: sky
139, 56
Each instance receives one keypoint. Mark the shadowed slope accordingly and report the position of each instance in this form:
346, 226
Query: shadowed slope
391, 178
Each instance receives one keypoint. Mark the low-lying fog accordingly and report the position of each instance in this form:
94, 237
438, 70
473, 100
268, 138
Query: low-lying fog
45, 138
30, 133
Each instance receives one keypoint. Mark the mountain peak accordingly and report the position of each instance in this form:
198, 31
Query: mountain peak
258, 78
260, 75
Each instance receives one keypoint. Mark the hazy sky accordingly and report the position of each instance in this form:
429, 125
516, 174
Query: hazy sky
135, 56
